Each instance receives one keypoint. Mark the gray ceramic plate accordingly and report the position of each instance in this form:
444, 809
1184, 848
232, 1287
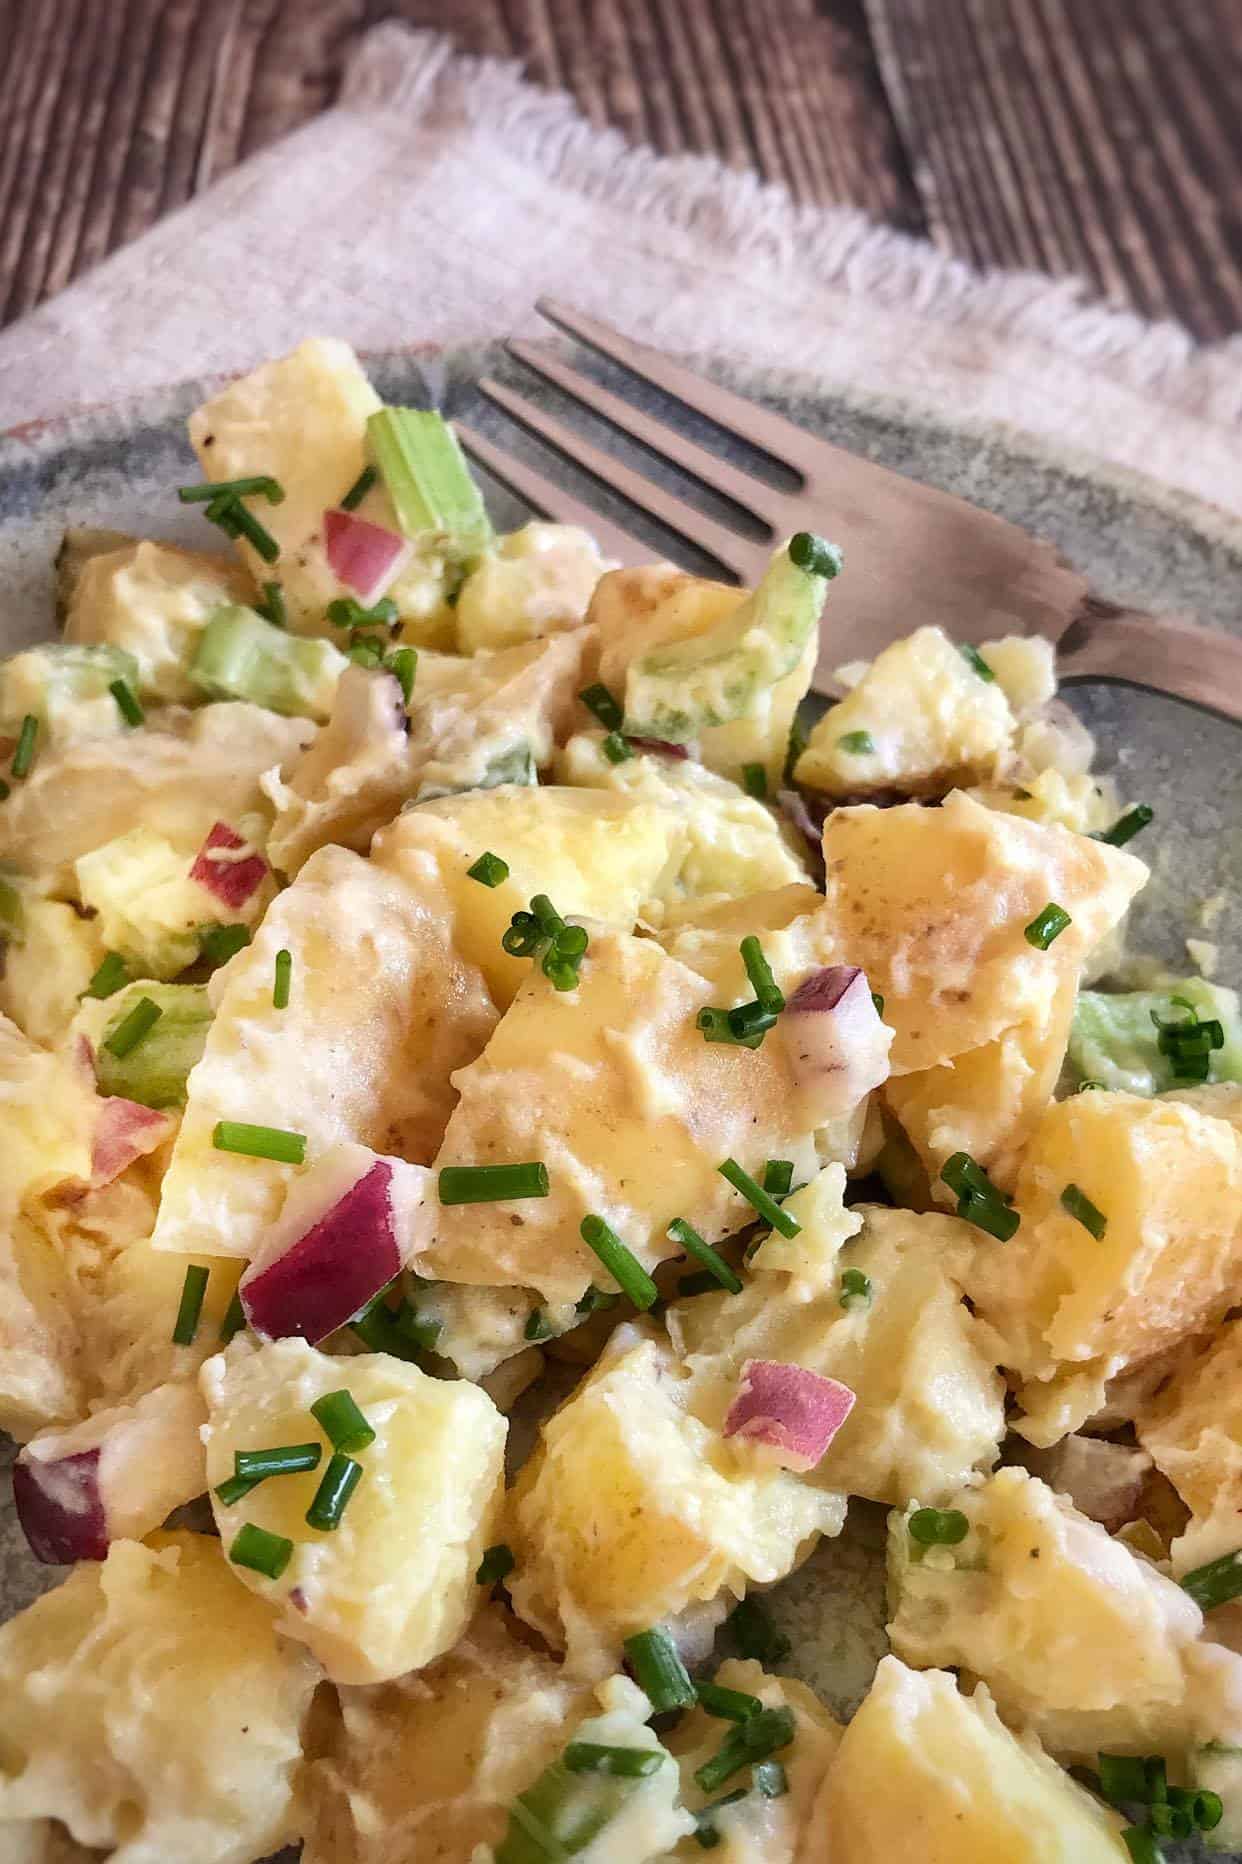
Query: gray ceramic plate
119, 468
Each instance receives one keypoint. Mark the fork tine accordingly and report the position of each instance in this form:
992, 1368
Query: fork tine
791, 445
751, 494
552, 500
720, 542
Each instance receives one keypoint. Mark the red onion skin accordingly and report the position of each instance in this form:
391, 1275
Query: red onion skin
366, 557
789, 1410
230, 882
823, 989
660, 747
124, 1131
330, 1271
59, 1534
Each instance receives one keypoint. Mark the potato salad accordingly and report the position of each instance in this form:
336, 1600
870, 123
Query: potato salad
509, 1138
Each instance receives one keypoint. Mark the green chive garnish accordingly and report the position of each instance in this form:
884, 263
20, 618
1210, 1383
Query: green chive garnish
234, 1318
694, 1245
778, 1177
857, 743
422, 1329
538, 1326
855, 1288
878, 1000
759, 971
594, 1301
615, 749
492, 1184
1140, 1843
624, 1267
1124, 1779
730, 1705
705, 1821
1047, 926
262, 1552
758, 1198
190, 1307
260, 486
1169, 1819
1207, 1809
974, 658
938, 1527
602, 705
1126, 827
1216, 1583
978, 1200
347, 612
380, 1329
340, 1479
23, 756
220, 943
402, 663
734, 1028
489, 870
755, 781
109, 978
359, 489
659, 1670
1079, 1206
127, 704
286, 1459
282, 980
342, 1423
770, 1779
1188, 1042
132, 1028
272, 607
625, 1763
256, 535
815, 555
497, 1563
750, 1741
235, 1489
259, 1142
756, 1636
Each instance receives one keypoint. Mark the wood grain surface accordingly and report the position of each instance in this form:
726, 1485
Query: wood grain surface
1093, 137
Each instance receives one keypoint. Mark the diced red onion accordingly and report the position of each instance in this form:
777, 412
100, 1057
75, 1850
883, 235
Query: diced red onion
60, 1507
837, 1044
366, 557
792, 1413
217, 867
125, 1131
660, 747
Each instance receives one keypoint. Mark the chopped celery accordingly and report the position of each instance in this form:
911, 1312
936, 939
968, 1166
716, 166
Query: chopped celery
154, 1073
1115, 1042
678, 690
427, 477
241, 656
49, 681
514, 765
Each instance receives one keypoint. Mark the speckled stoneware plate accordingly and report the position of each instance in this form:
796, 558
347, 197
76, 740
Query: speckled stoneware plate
1140, 545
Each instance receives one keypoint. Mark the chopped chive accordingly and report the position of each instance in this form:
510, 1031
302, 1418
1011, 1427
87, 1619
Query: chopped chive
756, 1636
857, 743
286, 1459
538, 1326
1170, 1821
256, 535
938, 1527
339, 1481
622, 1264
1047, 926
23, 756
282, 980
755, 781
377, 1326
855, 1288
359, 489
815, 555
342, 1423
1216, 1583
345, 611
261, 485
758, 1198
978, 1200
272, 607
770, 1779
659, 1670
749, 1741
1207, 1809
730, 1705
694, 1245
234, 1318
878, 1000
492, 1184
750, 1022
127, 703
767, 992
1124, 1779
111, 976
190, 1307
595, 1300
615, 749
1079, 1206
497, 1563
1126, 827
778, 1177
221, 511
235, 1489
402, 663
601, 704
489, 870
259, 1142
704, 1819
423, 1330
262, 1552
974, 659
220, 943
1141, 1844
133, 1028
716, 1026
625, 1763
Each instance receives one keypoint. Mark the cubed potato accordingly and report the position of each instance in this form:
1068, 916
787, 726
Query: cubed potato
934, 905
1071, 1310
1077, 1638
353, 778
381, 1012
393, 1587
1069, 799
47, 967
47, 1116
535, 581
613, 1086
40, 1372
921, 719
148, 1703
1025, 666
631, 1510
1192, 1429
154, 601
921, 1762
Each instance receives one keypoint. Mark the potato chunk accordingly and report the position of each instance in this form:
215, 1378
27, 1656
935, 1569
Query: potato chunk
631, 1509
40, 1371
920, 1762
536, 581
47, 967
1192, 1429
393, 1586
148, 1703
381, 1011
154, 601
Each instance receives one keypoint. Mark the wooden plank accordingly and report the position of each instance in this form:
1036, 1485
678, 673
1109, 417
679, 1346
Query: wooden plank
1096, 139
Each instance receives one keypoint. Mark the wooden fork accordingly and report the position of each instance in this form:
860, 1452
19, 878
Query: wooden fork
914, 555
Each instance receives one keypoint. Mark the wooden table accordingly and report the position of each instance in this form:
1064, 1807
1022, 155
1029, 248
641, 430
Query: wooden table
1095, 137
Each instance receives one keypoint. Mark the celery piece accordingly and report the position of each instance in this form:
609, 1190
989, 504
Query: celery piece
1115, 1042
49, 680
514, 765
427, 477
154, 1073
241, 656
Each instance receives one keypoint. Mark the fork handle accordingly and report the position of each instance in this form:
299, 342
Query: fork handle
1124, 645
